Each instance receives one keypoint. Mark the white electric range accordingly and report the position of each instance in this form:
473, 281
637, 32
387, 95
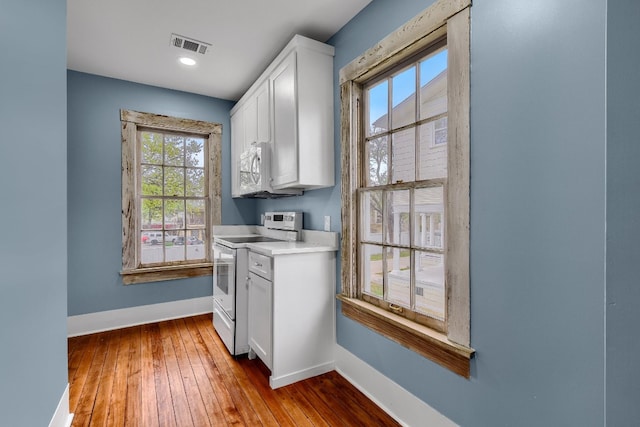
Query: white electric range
231, 273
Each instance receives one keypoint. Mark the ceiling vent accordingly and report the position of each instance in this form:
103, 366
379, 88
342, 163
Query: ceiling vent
191, 45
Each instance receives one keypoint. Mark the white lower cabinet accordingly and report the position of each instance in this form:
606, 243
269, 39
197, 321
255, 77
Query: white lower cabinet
292, 317
260, 309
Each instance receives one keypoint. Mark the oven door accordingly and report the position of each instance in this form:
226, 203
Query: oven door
224, 278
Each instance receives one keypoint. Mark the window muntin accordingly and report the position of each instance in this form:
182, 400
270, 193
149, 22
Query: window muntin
403, 191
172, 197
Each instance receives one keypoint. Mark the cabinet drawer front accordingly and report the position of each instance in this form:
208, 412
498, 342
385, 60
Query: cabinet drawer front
225, 328
260, 264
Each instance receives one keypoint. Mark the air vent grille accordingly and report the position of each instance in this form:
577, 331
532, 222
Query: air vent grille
189, 44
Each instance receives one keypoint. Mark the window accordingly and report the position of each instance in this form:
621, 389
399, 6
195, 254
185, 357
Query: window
402, 258
170, 196
405, 189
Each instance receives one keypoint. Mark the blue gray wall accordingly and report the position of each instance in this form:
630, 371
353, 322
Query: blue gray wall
543, 147
537, 216
94, 185
623, 205
33, 210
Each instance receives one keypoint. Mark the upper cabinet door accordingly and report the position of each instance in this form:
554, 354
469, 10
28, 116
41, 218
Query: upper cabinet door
250, 122
237, 147
255, 113
263, 118
284, 163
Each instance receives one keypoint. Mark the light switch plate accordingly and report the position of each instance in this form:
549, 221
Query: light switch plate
327, 223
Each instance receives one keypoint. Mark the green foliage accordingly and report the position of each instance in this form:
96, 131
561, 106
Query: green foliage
172, 166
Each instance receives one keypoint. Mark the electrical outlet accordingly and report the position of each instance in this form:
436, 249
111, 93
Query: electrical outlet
327, 223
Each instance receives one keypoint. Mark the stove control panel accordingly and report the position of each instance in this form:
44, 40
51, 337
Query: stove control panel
289, 221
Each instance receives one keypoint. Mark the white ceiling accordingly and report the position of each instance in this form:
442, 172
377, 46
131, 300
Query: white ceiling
130, 39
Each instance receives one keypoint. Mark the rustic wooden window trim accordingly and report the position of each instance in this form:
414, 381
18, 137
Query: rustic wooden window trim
130, 121
450, 18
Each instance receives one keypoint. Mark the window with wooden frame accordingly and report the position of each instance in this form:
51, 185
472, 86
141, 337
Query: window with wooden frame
405, 186
170, 196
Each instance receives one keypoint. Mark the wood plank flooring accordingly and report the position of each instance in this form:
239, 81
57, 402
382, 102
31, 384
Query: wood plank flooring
178, 373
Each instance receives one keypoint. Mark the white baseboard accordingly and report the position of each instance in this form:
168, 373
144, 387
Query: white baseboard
403, 406
293, 377
90, 323
62, 417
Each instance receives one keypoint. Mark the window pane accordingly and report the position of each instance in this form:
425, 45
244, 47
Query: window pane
152, 180
152, 237
151, 214
372, 277
377, 151
377, 106
440, 132
403, 166
195, 244
404, 98
173, 214
174, 150
398, 276
195, 152
430, 295
195, 182
371, 216
433, 85
195, 213
397, 217
152, 251
429, 210
432, 157
151, 147
174, 182
195, 250
174, 246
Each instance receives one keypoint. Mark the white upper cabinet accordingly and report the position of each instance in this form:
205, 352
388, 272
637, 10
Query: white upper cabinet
256, 116
302, 86
290, 106
250, 123
237, 146
263, 121
284, 163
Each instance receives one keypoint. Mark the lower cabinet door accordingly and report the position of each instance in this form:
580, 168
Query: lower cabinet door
260, 318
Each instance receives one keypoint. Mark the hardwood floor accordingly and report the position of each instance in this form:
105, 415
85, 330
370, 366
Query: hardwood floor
178, 373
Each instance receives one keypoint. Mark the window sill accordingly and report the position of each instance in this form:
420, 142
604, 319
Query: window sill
157, 274
433, 345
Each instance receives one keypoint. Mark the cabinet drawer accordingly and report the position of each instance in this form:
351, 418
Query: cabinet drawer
260, 264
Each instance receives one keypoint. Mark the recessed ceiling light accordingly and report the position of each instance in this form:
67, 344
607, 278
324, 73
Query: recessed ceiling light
187, 61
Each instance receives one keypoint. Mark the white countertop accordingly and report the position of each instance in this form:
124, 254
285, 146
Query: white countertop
286, 248
311, 240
